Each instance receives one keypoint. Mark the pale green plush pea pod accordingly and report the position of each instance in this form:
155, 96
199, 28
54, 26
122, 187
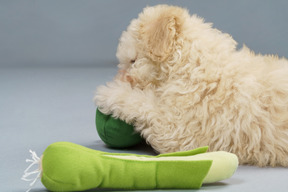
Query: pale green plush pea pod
70, 167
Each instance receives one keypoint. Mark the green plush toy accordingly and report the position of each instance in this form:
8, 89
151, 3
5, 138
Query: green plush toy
114, 132
69, 167
66, 166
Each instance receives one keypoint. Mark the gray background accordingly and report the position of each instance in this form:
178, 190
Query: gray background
53, 55
86, 33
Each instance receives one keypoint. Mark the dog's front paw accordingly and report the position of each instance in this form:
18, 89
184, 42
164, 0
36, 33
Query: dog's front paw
112, 97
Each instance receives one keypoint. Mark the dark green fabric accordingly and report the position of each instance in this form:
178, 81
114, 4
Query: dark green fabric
71, 167
115, 132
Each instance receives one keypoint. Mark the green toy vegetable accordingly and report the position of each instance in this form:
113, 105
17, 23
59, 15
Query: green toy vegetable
114, 132
69, 167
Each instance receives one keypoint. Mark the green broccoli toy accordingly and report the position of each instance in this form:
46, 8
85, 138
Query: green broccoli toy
114, 132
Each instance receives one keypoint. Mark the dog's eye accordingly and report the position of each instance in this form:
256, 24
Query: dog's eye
132, 61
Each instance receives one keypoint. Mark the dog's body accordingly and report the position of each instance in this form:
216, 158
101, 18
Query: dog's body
185, 85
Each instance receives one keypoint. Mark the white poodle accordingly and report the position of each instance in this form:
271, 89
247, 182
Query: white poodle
184, 85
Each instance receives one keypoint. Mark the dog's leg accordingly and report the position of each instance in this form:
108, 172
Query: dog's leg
123, 101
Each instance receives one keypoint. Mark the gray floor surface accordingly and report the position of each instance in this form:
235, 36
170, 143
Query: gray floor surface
39, 106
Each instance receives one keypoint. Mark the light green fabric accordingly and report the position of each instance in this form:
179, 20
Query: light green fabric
70, 167
186, 153
115, 132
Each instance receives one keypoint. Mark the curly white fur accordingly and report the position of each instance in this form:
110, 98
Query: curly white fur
184, 85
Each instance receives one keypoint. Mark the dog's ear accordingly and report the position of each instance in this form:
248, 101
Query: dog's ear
159, 29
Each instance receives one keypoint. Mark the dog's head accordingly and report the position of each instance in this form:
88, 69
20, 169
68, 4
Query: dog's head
165, 41
151, 43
